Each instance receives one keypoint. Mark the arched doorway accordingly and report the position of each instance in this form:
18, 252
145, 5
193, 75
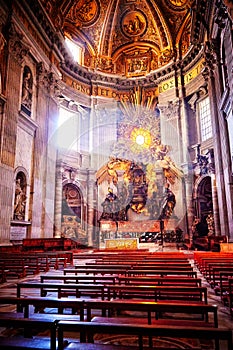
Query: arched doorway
203, 206
204, 202
72, 212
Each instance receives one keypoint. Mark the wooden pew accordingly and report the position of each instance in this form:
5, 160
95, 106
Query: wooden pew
156, 293
142, 257
126, 266
200, 257
161, 272
3, 272
28, 324
14, 267
88, 271
86, 307
156, 308
216, 276
80, 279
121, 291
88, 329
168, 280
230, 295
22, 305
144, 262
224, 285
209, 275
63, 289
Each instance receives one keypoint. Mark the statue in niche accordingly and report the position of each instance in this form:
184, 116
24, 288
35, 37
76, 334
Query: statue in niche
26, 99
20, 201
109, 206
168, 203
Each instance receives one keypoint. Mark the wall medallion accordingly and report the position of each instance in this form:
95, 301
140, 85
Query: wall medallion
133, 23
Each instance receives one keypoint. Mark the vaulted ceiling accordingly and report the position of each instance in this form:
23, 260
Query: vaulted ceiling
125, 37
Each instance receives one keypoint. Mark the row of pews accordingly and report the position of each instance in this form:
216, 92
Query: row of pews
22, 264
142, 296
217, 268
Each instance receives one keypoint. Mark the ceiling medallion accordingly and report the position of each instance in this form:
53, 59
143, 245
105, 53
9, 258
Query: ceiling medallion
86, 11
133, 23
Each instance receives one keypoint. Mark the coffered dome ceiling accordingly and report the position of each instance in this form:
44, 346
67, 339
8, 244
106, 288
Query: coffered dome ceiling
125, 37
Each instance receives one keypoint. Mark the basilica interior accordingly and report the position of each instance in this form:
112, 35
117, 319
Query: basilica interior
116, 174
116, 120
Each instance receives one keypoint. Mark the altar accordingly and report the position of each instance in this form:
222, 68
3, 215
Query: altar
122, 244
125, 234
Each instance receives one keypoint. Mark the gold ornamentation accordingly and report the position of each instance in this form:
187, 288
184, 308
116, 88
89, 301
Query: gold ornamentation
178, 3
86, 11
133, 23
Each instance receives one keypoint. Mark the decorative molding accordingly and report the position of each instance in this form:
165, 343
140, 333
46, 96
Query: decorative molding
17, 47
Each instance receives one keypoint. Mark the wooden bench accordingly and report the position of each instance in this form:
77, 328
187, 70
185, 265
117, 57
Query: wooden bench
15, 264
23, 305
126, 266
80, 279
63, 289
156, 293
167, 280
88, 271
170, 280
28, 324
14, 268
209, 275
200, 257
223, 289
130, 263
148, 257
86, 306
216, 276
49, 244
230, 295
158, 308
161, 272
89, 329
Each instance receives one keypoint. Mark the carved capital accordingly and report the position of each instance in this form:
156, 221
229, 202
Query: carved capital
47, 80
211, 52
229, 6
221, 15
17, 47
171, 111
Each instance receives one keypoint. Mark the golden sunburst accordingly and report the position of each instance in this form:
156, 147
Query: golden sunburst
140, 138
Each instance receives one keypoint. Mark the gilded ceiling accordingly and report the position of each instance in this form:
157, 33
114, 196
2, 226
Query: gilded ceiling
125, 37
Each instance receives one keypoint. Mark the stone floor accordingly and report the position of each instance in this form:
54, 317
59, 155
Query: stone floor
225, 320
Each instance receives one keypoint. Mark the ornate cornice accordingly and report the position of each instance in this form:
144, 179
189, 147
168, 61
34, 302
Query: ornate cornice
51, 85
89, 76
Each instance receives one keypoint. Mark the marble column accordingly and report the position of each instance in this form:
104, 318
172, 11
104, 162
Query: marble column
90, 207
14, 57
58, 201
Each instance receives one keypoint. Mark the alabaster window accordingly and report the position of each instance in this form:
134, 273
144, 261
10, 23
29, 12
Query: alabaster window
67, 132
75, 50
205, 119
